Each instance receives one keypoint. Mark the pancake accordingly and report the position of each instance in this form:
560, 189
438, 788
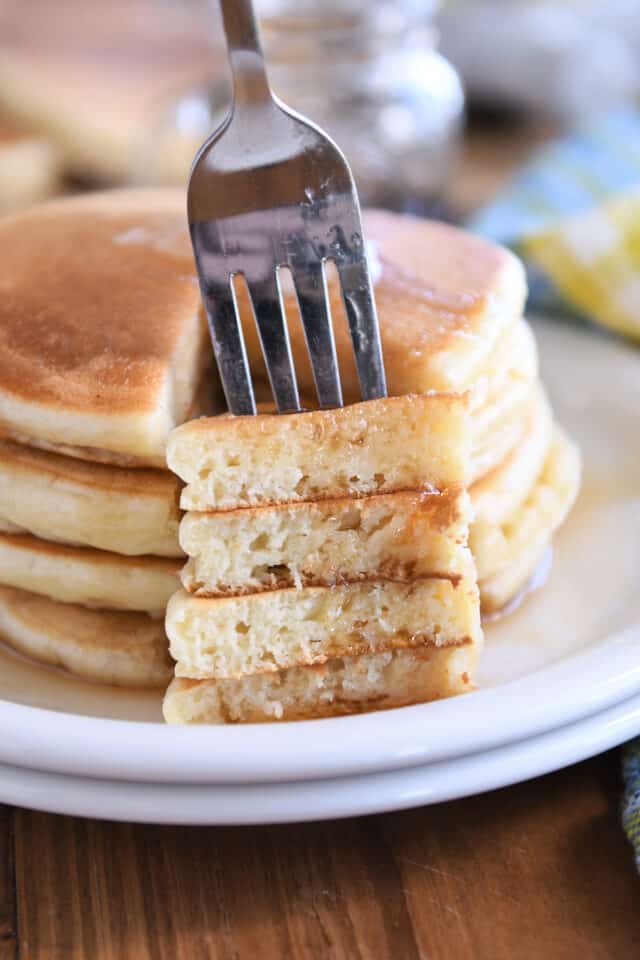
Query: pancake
90, 577
399, 536
68, 500
498, 494
499, 420
350, 685
514, 360
236, 636
107, 350
507, 555
506, 430
380, 446
99, 78
29, 170
124, 649
445, 300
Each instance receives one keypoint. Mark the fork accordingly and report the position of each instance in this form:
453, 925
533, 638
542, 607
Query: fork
270, 190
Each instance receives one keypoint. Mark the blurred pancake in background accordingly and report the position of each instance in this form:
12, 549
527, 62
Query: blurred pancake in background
30, 169
102, 80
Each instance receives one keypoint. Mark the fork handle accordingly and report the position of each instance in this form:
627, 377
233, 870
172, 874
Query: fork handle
250, 83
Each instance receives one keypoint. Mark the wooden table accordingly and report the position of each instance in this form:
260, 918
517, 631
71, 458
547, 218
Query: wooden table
540, 871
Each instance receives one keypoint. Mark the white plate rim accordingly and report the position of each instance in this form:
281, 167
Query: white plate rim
233, 804
561, 693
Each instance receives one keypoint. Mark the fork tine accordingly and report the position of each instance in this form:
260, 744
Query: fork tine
268, 308
357, 294
313, 298
229, 346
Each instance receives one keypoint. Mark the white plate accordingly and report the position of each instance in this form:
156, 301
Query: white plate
569, 651
222, 804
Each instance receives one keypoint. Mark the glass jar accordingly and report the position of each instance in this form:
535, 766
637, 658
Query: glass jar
368, 72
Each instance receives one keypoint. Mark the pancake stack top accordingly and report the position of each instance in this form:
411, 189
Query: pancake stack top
328, 562
107, 352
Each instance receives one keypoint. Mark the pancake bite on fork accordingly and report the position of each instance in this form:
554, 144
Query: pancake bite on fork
324, 539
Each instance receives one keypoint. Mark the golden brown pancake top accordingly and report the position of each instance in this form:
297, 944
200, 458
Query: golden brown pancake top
434, 288
92, 304
94, 293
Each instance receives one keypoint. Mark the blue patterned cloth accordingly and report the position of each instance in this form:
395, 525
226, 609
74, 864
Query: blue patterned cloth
631, 800
573, 215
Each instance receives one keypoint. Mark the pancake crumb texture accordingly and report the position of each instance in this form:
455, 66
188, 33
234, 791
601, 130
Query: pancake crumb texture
400, 536
342, 686
328, 568
398, 443
237, 636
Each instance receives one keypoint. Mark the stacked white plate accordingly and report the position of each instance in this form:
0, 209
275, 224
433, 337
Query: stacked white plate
560, 678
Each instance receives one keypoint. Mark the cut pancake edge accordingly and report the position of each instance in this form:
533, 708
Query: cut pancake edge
394, 574
337, 688
264, 632
385, 445
392, 536
443, 504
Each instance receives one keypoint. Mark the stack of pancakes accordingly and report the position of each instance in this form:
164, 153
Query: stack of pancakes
328, 571
102, 352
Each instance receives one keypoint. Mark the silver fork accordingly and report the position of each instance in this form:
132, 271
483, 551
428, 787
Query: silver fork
269, 190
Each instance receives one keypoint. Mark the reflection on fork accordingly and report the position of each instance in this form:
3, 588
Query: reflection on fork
269, 190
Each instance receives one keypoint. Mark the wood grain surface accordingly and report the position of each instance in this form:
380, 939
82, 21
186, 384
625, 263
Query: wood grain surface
541, 870
8, 933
